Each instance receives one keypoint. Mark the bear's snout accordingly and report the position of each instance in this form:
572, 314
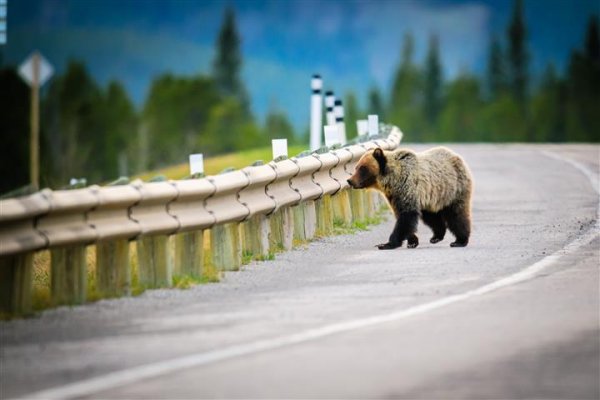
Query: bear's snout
351, 183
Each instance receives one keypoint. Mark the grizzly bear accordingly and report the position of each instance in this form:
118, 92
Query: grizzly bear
435, 185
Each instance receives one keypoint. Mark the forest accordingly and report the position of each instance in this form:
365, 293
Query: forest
96, 132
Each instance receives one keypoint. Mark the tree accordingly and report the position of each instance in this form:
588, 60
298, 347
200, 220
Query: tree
14, 131
458, 121
433, 85
176, 114
592, 41
583, 88
496, 74
121, 126
376, 103
351, 115
228, 61
73, 127
228, 129
518, 57
406, 99
277, 126
548, 108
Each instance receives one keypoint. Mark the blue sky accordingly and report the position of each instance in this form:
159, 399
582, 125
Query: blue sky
353, 44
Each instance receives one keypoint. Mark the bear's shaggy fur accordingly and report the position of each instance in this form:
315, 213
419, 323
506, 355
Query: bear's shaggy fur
435, 185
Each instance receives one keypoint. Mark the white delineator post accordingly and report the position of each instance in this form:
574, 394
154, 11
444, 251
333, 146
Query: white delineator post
373, 125
280, 147
332, 135
196, 164
338, 111
362, 127
329, 104
316, 112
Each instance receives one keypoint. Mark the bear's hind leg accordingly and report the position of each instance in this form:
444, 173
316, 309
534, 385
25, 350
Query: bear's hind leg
437, 224
458, 218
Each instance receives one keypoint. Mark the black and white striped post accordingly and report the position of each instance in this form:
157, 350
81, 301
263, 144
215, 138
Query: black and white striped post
316, 112
329, 104
338, 111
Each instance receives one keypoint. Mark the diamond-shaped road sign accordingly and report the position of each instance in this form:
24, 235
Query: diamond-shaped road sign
26, 69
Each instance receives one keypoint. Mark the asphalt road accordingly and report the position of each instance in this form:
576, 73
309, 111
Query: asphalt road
340, 319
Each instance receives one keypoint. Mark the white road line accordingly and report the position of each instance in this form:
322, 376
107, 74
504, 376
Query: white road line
128, 376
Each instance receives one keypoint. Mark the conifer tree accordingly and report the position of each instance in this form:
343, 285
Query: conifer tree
518, 58
496, 74
433, 82
405, 110
228, 61
376, 103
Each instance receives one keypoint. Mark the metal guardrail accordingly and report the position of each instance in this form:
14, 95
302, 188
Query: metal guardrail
49, 219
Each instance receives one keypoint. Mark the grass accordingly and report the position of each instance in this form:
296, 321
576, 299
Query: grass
214, 165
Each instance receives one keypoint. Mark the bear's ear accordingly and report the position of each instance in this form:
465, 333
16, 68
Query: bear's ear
381, 160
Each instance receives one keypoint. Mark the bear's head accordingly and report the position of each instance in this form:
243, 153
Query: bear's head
370, 166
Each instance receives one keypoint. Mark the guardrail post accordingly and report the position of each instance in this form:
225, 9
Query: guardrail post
324, 216
287, 219
155, 264
276, 231
256, 236
310, 219
282, 229
375, 202
358, 205
113, 273
15, 284
342, 211
225, 248
299, 222
68, 275
189, 253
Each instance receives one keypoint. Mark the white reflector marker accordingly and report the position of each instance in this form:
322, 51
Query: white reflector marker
280, 148
196, 164
332, 135
373, 125
362, 127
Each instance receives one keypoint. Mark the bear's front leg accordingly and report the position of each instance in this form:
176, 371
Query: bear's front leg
404, 229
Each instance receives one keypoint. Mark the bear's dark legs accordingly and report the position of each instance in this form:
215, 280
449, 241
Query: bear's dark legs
437, 224
405, 229
458, 218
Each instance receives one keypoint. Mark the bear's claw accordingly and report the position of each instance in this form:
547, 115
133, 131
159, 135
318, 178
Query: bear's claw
388, 246
435, 239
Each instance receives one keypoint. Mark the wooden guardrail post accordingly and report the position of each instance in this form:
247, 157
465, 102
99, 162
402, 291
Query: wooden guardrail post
342, 211
305, 221
282, 229
256, 236
113, 272
16, 278
276, 231
287, 219
225, 248
324, 216
68, 275
299, 222
189, 253
155, 264
310, 219
358, 205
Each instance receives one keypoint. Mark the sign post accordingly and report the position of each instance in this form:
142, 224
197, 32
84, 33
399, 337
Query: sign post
36, 71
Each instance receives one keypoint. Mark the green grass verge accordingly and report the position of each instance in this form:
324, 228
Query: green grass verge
214, 165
